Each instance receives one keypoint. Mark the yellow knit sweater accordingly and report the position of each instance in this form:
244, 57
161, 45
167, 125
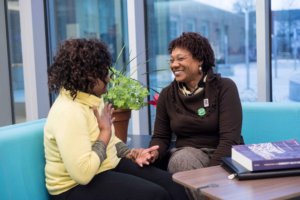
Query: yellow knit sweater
70, 131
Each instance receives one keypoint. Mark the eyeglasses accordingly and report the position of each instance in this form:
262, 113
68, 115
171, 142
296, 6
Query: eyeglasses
178, 59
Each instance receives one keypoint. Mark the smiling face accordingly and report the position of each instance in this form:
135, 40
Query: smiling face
185, 68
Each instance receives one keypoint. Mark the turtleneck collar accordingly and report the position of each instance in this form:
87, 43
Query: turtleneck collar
84, 98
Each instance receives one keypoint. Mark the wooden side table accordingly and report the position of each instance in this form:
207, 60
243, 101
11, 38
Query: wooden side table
214, 184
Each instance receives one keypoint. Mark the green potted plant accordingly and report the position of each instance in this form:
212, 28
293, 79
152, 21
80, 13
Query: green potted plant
125, 94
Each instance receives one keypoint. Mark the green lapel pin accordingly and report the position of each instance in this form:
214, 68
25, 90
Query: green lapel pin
201, 112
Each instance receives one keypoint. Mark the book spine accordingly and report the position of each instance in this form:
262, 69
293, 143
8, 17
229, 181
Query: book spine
275, 164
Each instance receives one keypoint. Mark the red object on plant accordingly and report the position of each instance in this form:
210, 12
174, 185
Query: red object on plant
154, 101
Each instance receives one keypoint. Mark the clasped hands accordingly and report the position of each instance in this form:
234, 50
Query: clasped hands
143, 156
139, 156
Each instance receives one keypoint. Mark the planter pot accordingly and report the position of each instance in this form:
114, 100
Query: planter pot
122, 117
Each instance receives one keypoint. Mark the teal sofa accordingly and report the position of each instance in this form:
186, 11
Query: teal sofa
269, 122
22, 154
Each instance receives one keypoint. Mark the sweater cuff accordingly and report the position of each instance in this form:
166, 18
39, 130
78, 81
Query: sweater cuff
122, 149
100, 148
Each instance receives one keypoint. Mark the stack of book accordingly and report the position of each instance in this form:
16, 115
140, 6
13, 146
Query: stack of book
263, 160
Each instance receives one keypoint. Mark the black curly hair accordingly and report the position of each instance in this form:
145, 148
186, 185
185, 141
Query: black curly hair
78, 64
198, 46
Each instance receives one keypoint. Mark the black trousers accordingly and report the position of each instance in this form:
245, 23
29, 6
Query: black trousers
127, 181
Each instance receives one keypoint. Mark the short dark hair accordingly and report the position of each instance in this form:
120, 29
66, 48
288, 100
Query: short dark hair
197, 45
78, 64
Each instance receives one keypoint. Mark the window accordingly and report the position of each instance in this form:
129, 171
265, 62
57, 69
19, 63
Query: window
102, 19
190, 25
285, 35
204, 28
174, 27
16, 62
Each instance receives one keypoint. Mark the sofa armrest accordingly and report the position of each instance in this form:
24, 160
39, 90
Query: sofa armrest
22, 161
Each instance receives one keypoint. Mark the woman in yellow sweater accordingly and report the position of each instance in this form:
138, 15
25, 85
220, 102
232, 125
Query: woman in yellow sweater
84, 158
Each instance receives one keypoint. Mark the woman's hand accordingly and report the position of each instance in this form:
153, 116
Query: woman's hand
105, 121
154, 156
142, 156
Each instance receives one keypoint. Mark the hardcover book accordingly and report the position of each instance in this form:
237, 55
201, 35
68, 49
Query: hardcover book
238, 171
268, 156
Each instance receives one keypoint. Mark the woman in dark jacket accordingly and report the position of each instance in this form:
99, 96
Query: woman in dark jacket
201, 108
